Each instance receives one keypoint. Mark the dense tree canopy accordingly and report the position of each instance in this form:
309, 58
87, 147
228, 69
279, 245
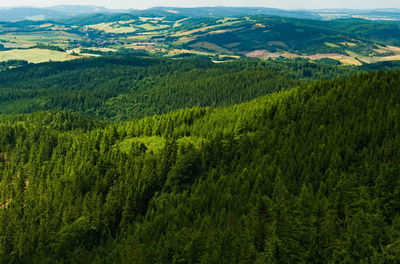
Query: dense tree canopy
126, 87
306, 175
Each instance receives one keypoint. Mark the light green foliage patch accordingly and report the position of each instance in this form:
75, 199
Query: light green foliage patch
154, 144
196, 142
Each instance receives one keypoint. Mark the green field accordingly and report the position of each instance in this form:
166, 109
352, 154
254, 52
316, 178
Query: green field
27, 40
113, 27
35, 55
262, 37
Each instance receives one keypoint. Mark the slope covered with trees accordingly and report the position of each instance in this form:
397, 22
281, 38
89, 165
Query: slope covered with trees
126, 87
308, 175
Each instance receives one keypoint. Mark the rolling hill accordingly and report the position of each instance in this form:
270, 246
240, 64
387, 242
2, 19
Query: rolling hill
346, 41
199, 136
126, 87
305, 175
64, 11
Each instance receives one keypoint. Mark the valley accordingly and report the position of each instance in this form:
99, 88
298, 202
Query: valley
346, 41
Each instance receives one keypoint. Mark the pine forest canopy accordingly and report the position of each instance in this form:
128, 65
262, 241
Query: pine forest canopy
132, 156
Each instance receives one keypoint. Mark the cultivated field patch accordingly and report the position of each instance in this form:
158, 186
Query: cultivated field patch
210, 46
30, 40
113, 27
36, 55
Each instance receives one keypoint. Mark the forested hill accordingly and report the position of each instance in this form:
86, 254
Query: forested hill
308, 175
126, 87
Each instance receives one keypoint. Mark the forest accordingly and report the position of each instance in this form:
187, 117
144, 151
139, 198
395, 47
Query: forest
127, 159
124, 87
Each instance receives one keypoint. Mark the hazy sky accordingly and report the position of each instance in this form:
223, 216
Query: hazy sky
287, 4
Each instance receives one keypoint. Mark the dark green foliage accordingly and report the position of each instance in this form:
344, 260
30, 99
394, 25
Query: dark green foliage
49, 47
308, 175
125, 87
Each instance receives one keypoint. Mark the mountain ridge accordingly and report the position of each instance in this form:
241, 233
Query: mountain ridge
63, 11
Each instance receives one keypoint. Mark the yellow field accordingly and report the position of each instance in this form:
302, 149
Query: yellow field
47, 25
140, 37
220, 31
59, 38
149, 26
332, 45
183, 40
352, 54
259, 25
102, 49
346, 43
386, 49
36, 55
179, 22
350, 61
150, 49
113, 28
202, 29
127, 22
347, 60
394, 49
380, 59
174, 52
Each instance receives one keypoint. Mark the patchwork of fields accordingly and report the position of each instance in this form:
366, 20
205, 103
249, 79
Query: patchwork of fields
262, 37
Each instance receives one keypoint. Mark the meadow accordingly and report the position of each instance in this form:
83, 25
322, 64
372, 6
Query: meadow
36, 55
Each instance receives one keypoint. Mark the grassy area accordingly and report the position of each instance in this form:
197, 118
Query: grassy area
113, 27
204, 29
30, 40
179, 22
149, 26
350, 61
102, 49
183, 40
332, 45
174, 52
346, 43
35, 55
139, 37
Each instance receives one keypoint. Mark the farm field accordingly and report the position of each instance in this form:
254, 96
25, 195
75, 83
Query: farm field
29, 40
36, 55
262, 37
113, 27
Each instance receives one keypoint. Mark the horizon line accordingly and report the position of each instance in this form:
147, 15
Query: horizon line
217, 6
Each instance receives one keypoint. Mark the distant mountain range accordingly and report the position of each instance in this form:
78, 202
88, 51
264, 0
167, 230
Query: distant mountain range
78, 9
69, 11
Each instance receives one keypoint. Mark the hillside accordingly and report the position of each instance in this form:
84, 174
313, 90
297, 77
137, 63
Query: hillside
47, 13
68, 11
352, 41
126, 87
308, 175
